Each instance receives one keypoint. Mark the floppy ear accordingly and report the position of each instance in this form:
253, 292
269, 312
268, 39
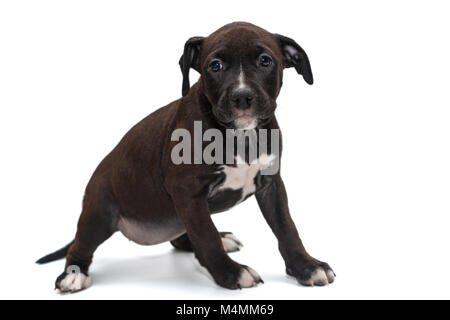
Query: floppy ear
190, 59
295, 56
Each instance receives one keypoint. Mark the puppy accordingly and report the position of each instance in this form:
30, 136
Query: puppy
143, 190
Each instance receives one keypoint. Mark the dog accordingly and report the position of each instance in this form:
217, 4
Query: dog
139, 190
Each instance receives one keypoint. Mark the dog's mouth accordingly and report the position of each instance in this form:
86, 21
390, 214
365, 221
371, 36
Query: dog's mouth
245, 121
240, 120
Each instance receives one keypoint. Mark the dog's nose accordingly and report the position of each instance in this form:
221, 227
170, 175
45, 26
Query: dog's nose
242, 98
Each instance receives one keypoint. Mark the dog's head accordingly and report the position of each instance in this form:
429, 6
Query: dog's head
241, 68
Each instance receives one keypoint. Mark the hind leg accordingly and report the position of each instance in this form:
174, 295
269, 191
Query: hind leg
96, 224
229, 241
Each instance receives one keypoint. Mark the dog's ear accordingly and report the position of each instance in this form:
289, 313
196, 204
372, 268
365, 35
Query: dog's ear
190, 59
295, 56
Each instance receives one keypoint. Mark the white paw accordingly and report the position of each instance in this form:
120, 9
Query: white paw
74, 282
249, 278
319, 277
231, 243
331, 276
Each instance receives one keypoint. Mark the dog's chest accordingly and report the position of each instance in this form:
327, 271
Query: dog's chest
237, 182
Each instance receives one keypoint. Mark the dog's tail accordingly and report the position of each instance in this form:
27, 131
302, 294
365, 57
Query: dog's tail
59, 254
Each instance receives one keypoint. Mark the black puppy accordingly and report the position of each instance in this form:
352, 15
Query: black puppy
139, 190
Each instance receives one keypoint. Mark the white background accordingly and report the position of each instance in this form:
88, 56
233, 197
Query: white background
366, 150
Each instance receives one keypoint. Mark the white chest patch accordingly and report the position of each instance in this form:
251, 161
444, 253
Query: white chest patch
243, 174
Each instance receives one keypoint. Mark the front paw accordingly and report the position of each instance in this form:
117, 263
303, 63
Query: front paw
311, 272
248, 278
238, 277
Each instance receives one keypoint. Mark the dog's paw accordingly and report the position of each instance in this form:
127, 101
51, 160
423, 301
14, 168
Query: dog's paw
72, 281
248, 278
230, 242
237, 276
311, 272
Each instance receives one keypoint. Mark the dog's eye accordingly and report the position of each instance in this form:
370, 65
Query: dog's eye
216, 65
265, 60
